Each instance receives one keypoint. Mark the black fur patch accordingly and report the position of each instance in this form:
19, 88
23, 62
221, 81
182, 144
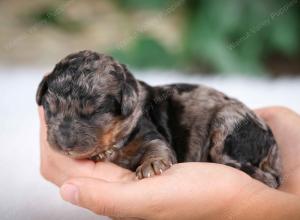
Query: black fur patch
155, 110
179, 133
166, 114
184, 87
110, 105
248, 142
248, 169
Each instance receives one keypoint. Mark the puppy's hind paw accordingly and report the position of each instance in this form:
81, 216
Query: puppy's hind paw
151, 167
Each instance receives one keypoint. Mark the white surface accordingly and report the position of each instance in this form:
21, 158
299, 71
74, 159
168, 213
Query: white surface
25, 195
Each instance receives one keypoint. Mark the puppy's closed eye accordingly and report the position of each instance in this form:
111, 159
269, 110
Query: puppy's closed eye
108, 105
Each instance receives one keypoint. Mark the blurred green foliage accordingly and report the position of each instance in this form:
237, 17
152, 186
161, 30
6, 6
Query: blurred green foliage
146, 52
138, 4
51, 15
230, 36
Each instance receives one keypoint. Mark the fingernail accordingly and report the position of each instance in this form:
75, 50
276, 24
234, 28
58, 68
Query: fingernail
70, 193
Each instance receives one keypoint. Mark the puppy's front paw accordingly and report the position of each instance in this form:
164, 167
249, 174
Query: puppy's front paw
151, 167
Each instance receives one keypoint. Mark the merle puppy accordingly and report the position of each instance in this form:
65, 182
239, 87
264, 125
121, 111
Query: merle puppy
95, 108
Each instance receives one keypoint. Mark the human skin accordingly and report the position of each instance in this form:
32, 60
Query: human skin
186, 190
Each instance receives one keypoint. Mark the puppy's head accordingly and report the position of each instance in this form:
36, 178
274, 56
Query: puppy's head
87, 99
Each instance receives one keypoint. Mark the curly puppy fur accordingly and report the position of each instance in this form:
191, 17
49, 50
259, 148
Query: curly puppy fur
95, 108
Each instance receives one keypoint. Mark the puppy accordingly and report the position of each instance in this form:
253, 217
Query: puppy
96, 109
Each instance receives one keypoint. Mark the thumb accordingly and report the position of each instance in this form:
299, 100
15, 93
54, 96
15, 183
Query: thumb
104, 198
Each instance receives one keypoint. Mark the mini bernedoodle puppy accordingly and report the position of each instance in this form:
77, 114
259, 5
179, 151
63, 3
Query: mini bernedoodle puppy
96, 109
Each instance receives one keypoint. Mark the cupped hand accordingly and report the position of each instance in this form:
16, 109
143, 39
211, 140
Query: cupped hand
185, 191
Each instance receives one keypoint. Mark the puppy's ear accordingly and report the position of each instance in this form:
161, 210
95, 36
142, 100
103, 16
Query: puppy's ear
42, 88
129, 94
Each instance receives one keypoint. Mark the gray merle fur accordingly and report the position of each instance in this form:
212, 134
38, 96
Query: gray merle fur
95, 108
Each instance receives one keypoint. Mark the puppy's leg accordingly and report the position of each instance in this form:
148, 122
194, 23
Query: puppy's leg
267, 177
157, 157
241, 142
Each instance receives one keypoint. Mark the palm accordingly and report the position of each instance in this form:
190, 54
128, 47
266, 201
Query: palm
214, 185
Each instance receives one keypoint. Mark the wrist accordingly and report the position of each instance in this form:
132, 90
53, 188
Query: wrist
261, 202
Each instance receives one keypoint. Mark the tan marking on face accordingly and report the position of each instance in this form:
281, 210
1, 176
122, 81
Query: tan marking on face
132, 148
110, 136
130, 155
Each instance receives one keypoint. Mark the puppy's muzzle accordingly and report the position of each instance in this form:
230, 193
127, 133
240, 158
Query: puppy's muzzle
65, 138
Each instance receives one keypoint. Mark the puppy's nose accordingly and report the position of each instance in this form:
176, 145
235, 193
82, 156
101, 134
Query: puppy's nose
66, 143
66, 139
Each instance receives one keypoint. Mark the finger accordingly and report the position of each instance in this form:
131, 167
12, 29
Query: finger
41, 116
104, 198
270, 114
